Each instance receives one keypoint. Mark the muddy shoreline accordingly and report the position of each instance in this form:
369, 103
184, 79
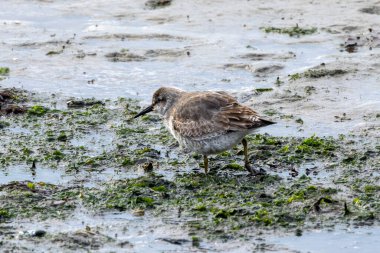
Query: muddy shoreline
312, 182
77, 174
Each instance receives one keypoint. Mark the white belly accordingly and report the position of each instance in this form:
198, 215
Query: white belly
212, 145
207, 146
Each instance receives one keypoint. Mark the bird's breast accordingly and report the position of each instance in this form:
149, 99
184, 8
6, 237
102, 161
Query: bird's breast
168, 122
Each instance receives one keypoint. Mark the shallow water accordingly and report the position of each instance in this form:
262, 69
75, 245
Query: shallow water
40, 174
365, 240
59, 176
49, 25
219, 37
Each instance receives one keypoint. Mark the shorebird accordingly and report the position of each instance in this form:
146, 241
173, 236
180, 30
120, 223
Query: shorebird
206, 122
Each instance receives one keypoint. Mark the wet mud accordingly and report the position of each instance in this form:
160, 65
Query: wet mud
77, 174
309, 181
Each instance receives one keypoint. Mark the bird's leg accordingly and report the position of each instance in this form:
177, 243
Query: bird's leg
246, 160
205, 163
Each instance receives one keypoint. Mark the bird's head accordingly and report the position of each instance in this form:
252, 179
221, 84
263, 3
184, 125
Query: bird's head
163, 99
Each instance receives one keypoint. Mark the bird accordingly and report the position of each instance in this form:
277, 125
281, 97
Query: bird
206, 122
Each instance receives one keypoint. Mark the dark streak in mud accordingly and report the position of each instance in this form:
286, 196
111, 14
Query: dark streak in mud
371, 10
154, 4
126, 36
267, 56
125, 56
291, 31
317, 72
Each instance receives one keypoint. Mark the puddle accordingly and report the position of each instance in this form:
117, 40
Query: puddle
40, 174
59, 176
99, 143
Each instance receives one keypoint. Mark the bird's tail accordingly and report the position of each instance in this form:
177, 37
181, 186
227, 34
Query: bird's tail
262, 123
266, 122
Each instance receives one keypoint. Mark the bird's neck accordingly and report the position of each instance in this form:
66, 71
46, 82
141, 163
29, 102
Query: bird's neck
171, 103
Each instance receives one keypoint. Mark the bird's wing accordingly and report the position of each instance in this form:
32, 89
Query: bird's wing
209, 114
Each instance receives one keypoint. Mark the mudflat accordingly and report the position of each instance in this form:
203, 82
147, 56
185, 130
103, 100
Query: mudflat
76, 174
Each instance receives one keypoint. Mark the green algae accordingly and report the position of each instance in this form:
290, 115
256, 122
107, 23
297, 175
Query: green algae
4, 124
4, 71
316, 73
239, 202
225, 154
37, 110
143, 192
99, 118
127, 161
55, 155
262, 216
234, 166
51, 136
143, 150
261, 90
371, 189
195, 240
28, 199
87, 102
62, 136
225, 203
294, 77
127, 131
227, 200
31, 185
315, 144
4, 214
292, 150
291, 31
270, 112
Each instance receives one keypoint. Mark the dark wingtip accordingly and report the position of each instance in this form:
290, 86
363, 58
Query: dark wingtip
267, 122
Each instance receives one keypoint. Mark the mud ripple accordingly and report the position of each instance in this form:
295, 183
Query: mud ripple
126, 36
262, 70
371, 10
125, 56
267, 56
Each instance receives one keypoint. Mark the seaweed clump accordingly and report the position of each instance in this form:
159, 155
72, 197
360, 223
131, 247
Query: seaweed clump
291, 31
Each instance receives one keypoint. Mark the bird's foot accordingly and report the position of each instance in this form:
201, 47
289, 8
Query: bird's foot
254, 172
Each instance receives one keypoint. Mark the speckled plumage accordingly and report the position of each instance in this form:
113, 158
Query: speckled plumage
205, 122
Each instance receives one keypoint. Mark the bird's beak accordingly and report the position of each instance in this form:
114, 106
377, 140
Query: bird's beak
145, 111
